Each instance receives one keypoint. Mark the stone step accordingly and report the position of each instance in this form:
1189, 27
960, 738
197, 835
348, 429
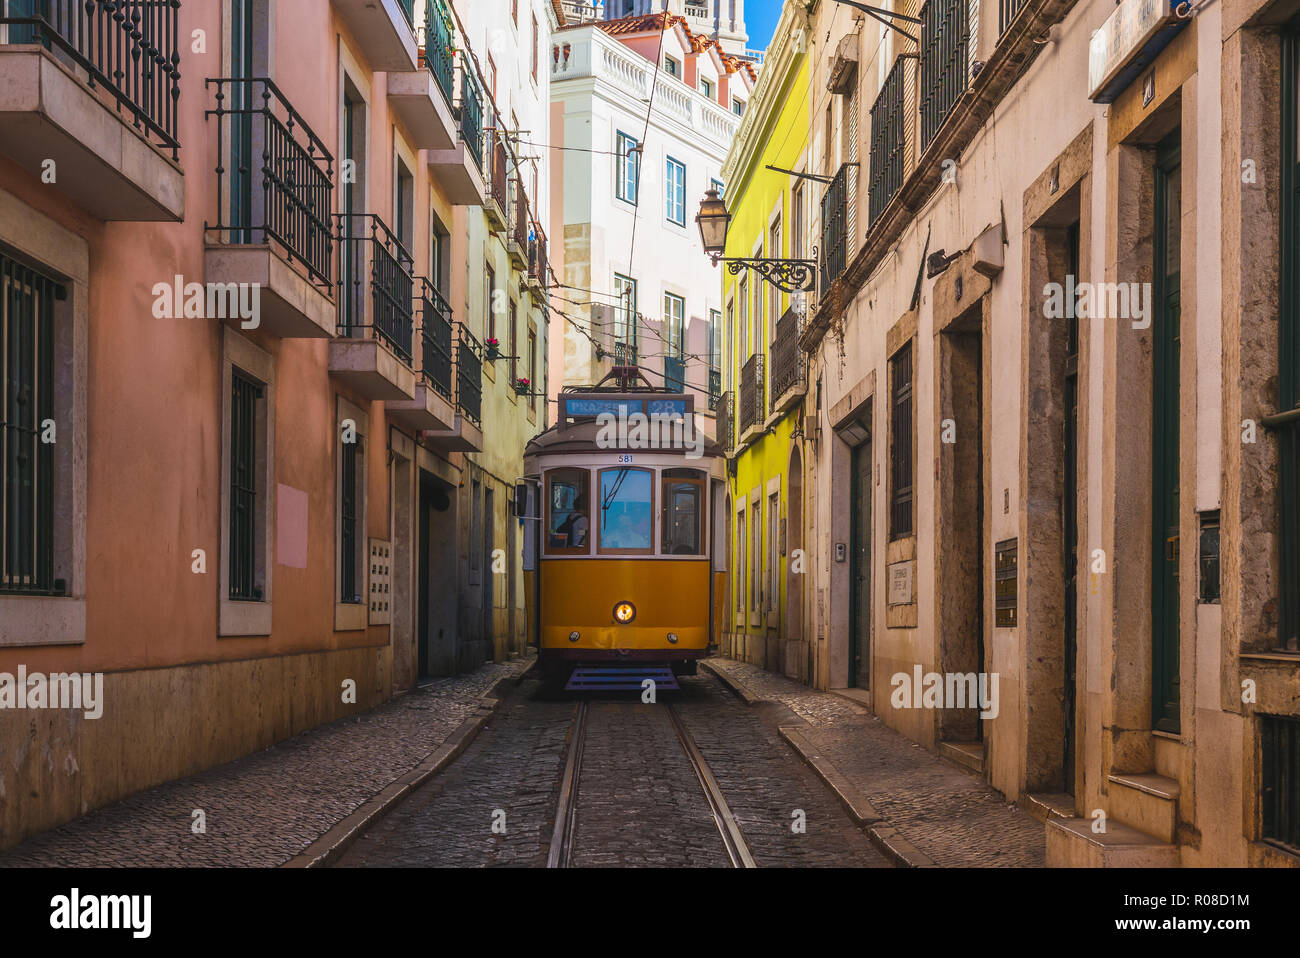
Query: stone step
966, 754
1071, 843
1147, 801
1045, 805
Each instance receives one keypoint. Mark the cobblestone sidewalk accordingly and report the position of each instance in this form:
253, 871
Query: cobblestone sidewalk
263, 809
949, 815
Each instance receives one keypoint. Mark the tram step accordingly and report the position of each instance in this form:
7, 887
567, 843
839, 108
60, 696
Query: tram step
587, 678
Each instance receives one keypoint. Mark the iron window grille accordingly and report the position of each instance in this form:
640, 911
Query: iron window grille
901, 471
887, 143
834, 229
245, 395
715, 389
435, 339
128, 48
726, 421
27, 300
1279, 746
945, 38
275, 178
1007, 10
349, 512
751, 392
376, 283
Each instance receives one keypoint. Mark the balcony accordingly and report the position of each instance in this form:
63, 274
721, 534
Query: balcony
466, 433
944, 40
459, 170
98, 96
272, 228
537, 263
715, 388
383, 31
834, 248
725, 429
789, 381
752, 404
422, 98
497, 202
580, 11
375, 309
432, 406
887, 143
517, 238
625, 354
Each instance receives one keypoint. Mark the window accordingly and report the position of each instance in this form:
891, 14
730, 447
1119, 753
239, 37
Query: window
349, 521
797, 223
773, 549
1288, 355
675, 192
673, 67
625, 310
706, 87
628, 173
27, 467
514, 342
738, 107
491, 77
490, 287
475, 531
719, 186
714, 340
532, 369
739, 553
626, 510
743, 297
404, 205
244, 584
1279, 749
683, 516
568, 515
536, 41
675, 323
900, 444
439, 255
756, 556
773, 291
756, 313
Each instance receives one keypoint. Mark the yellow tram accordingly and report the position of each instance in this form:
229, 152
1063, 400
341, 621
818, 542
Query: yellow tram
624, 567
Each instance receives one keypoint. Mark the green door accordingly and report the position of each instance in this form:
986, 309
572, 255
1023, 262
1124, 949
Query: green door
860, 568
1164, 438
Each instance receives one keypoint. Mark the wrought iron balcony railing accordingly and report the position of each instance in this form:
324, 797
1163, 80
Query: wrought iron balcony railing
752, 405
376, 286
469, 376
1007, 10
521, 218
715, 388
944, 40
275, 178
469, 111
834, 248
787, 359
408, 10
439, 58
435, 338
127, 47
537, 264
499, 175
726, 421
625, 354
888, 140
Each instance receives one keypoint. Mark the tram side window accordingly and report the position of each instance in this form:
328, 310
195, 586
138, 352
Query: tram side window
626, 510
568, 519
683, 491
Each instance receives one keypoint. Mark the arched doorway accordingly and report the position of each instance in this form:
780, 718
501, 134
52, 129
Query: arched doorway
796, 657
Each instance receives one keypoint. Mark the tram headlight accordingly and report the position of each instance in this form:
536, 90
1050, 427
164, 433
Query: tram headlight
624, 612
672, 637
574, 636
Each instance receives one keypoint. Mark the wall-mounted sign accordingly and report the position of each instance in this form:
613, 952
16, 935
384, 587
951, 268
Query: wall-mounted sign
900, 583
1127, 42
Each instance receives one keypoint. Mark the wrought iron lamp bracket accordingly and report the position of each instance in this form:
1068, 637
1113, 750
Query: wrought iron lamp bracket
787, 275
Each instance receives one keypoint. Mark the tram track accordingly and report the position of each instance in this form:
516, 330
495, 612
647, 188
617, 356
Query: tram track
560, 853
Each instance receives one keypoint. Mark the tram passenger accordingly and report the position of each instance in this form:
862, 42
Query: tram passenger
572, 532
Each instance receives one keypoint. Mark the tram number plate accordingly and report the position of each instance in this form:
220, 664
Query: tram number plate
625, 459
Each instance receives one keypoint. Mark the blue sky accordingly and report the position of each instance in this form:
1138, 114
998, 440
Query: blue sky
760, 21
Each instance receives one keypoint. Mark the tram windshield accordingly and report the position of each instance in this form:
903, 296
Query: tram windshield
626, 510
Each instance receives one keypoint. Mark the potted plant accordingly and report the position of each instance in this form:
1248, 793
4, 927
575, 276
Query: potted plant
523, 386
493, 349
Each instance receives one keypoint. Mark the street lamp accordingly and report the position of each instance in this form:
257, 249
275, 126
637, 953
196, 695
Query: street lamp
788, 275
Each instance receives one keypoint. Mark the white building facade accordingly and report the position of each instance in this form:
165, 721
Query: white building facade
638, 289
